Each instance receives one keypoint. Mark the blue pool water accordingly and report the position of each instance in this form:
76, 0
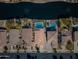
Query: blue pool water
39, 25
52, 27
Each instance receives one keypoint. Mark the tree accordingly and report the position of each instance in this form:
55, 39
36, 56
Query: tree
5, 49
37, 48
70, 45
59, 40
54, 49
18, 48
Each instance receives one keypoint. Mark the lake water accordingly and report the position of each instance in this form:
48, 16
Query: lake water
52, 10
39, 25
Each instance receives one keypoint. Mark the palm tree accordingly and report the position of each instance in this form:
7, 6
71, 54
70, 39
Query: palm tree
25, 48
5, 49
46, 29
59, 33
17, 47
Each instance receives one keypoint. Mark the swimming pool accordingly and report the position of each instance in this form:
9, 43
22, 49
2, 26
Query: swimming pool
52, 27
39, 25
